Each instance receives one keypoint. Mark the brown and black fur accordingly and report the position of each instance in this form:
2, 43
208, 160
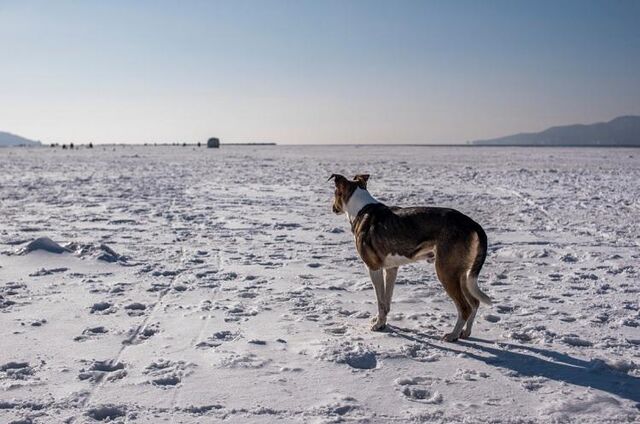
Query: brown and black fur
456, 243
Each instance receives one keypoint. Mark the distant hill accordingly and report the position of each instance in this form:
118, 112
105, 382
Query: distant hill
622, 131
8, 139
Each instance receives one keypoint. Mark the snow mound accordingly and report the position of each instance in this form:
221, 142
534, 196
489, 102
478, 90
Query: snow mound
101, 252
619, 364
607, 408
43, 243
356, 356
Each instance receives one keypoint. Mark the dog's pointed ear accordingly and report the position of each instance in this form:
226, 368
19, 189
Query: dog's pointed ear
337, 178
362, 179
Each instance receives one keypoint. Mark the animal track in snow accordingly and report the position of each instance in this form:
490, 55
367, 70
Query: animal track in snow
42, 272
243, 360
91, 332
573, 340
238, 312
218, 338
419, 389
135, 309
102, 308
419, 352
106, 412
201, 410
358, 355
469, 375
166, 373
139, 335
534, 383
103, 370
16, 370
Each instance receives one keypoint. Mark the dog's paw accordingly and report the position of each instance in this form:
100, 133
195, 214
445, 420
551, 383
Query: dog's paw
450, 337
466, 333
378, 324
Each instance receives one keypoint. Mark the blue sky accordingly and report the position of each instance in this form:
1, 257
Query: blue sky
313, 71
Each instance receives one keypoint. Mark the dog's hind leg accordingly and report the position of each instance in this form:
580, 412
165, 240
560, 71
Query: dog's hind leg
450, 279
380, 321
469, 279
471, 300
390, 275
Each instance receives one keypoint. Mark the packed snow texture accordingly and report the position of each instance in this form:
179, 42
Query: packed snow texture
149, 284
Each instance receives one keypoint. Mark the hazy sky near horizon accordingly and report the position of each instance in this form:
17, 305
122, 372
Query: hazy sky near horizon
313, 71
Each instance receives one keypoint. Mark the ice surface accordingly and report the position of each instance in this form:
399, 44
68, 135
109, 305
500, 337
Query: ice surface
206, 285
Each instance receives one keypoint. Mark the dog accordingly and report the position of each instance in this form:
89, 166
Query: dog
389, 237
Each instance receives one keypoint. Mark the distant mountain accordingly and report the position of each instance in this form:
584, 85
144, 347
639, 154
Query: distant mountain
622, 131
8, 139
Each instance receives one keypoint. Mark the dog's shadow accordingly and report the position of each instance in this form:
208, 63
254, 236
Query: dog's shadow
540, 363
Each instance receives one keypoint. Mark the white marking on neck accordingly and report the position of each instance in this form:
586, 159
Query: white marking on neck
358, 200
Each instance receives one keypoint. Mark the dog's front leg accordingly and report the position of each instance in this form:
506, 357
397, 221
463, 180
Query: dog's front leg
390, 275
380, 321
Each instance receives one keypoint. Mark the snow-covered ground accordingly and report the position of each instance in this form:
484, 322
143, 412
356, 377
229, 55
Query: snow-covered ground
207, 285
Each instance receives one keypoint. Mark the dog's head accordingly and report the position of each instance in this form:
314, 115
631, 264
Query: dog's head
345, 188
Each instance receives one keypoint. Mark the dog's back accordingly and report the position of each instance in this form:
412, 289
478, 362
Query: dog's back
405, 231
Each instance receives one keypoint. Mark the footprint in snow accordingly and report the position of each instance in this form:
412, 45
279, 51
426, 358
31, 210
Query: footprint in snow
573, 340
217, 338
419, 352
358, 355
243, 360
139, 335
106, 412
102, 308
16, 370
42, 272
469, 375
37, 322
201, 410
419, 389
555, 276
337, 330
166, 374
533, 384
505, 309
103, 370
135, 309
90, 332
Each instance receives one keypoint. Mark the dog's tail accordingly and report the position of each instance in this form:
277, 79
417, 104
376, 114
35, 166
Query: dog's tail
472, 275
